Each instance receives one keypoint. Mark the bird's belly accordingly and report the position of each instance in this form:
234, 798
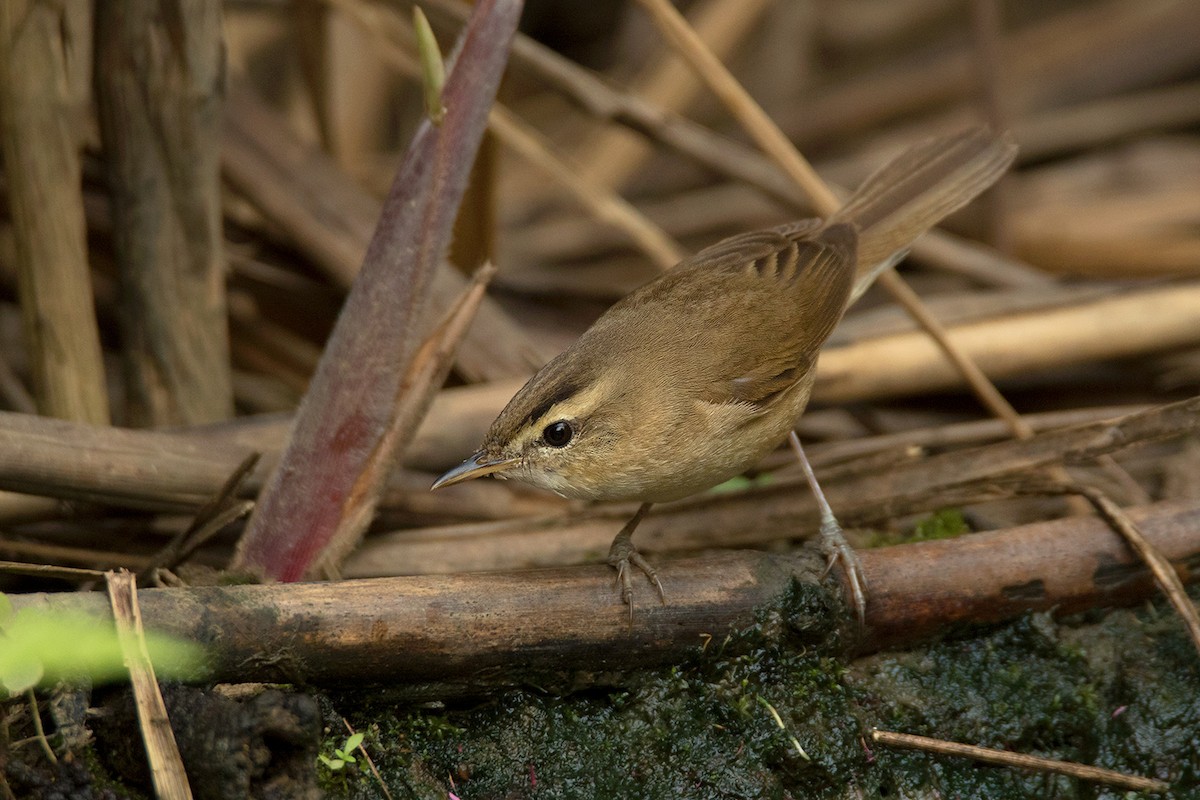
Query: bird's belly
732, 444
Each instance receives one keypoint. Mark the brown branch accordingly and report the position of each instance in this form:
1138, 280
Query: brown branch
447, 628
50, 571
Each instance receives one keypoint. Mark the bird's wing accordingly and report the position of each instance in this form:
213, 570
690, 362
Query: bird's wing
749, 314
744, 248
806, 285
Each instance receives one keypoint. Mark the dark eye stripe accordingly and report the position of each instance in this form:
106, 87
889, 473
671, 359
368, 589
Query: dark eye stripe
565, 392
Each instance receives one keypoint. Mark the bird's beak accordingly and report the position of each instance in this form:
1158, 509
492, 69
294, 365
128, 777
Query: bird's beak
476, 466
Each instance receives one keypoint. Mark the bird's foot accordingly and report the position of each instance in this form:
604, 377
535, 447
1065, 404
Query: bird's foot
836, 548
623, 556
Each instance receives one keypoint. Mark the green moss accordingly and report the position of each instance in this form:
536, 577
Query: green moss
944, 524
1121, 694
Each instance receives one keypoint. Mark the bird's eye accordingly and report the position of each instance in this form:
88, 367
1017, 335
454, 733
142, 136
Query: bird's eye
558, 434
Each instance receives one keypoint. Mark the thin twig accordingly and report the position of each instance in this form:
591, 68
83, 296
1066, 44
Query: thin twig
213, 516
37, 727
58, 553
49, 571
370, 762
1164, 573
1019, 760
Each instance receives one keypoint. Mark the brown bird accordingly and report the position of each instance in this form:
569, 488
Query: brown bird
694, 377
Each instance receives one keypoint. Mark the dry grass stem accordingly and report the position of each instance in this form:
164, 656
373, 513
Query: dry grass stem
166, 765
50, 571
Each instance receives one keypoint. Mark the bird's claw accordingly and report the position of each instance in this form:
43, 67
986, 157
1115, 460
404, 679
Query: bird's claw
620, 557
836, 548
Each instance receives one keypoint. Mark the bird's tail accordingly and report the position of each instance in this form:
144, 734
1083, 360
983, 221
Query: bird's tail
916, 190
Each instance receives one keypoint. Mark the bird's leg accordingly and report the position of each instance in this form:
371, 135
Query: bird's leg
623, 553
833, 541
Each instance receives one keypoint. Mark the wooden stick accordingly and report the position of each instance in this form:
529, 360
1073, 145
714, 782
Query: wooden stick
1149, 319
1005, 758
50, 571
974, 432
446, 628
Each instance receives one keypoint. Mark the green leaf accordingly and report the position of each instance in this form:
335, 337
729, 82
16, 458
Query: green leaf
17, 674
66, 644
433, 69
353, 741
